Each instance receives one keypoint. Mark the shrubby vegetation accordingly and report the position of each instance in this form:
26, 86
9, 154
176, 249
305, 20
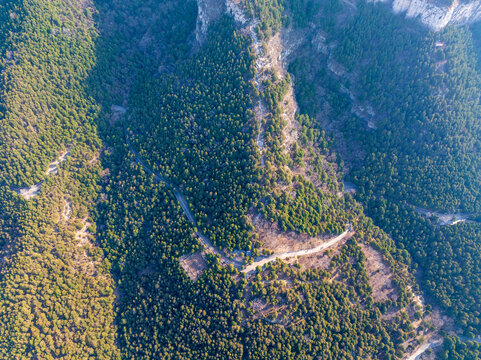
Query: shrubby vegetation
273, 14
307, 210
413, 80
415, 84
407, 165
137, 37
293, 201
56, 296
162, 313
191, 120
447, 256
454, 349
47, 56
312, 308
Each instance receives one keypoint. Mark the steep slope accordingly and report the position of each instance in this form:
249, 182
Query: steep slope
438, 14
29, 80
435, 166
201, 141
131, 128
56, 288
403, 105
178, 300
208, 11
433, 14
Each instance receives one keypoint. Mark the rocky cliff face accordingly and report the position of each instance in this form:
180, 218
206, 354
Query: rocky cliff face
208, 11
436, 15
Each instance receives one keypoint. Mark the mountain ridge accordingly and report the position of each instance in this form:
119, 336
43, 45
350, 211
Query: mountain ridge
436, 15
433, 14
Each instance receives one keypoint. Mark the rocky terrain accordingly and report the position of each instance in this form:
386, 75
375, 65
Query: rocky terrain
436, 14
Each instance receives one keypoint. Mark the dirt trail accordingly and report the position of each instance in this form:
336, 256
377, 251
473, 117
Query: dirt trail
319, 248
67, 210
445, 219
53, 167
432, 339
82, 235
422, 349
34, 190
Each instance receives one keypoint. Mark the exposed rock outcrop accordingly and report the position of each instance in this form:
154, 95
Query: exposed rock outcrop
437, 15
208, 11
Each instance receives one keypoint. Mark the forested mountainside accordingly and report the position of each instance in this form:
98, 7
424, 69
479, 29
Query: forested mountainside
180, 296
403, 106
164, 197
56, 288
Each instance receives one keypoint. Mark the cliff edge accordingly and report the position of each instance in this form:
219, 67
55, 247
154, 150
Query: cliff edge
208, 11
435, 14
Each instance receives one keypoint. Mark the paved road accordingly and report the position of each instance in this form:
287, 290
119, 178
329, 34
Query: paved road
183, 204
210, 246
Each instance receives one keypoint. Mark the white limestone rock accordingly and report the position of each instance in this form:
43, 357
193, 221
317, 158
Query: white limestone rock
437, 15
208, 11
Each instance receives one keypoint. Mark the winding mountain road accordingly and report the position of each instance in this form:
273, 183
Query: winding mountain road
260, 64
348, 233
208, 244
183, 204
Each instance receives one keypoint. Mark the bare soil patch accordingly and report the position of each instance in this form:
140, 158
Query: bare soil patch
193, 264
53, 166
31, 192
83, 235
67, 210
441, 66
380, 275
321, 260
278, 241
292, 129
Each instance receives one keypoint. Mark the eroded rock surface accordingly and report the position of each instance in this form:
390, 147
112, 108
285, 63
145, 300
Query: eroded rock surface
438, 14
208, 11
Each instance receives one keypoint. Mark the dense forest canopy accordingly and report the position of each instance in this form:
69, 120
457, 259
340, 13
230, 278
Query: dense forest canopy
200, 134
114, 120
57, 291
404, 104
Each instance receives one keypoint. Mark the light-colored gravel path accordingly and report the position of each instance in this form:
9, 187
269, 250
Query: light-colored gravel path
349, 232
